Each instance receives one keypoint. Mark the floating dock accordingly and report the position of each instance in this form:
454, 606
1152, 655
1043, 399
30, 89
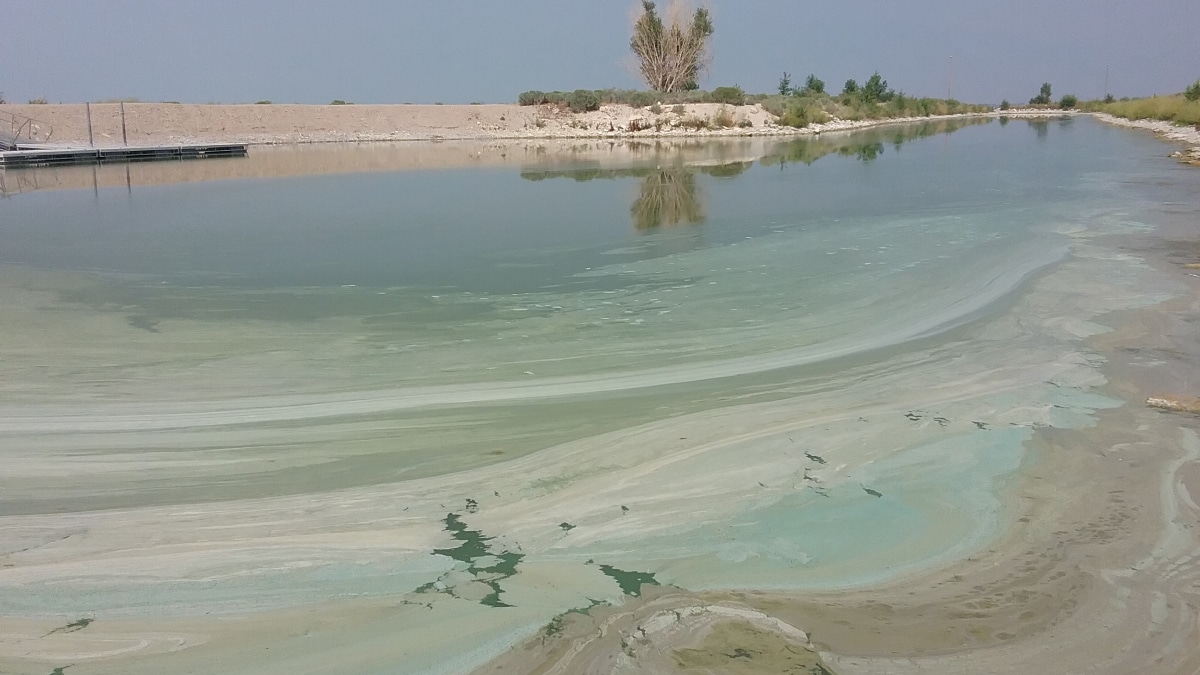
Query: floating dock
27, 156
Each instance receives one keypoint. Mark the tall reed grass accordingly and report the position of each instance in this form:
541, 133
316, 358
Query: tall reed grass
1174, 108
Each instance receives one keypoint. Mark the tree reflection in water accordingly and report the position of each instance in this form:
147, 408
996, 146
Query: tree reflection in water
667, 197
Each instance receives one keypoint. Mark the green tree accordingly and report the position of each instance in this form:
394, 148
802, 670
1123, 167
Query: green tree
850, 87
1192, 93
1004, 105
1043, 97
672, 53
1068, 101
876, 89
814, 85
785, 84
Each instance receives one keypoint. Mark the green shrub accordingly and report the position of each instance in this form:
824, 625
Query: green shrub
794, 117
729, 95
531, 97
1069, 101
41, 100
583, 100
655, 108
1192, 93
338, 101
723, 118
850, 87
262, 102
641, 99
678, 109
1005, 105
775, 105
814, 85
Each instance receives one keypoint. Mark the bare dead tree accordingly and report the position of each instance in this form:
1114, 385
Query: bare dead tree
672, 53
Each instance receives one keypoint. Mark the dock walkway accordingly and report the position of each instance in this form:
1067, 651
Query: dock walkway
42, 155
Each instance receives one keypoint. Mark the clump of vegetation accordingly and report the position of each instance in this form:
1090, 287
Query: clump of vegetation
41, 100
1005, 105
793, 117
1178, 108
1068, 102
1043, 97
729, 95
655, 109
785, 84
262, 102
532, 97
1192, 93
814, 85
582, 100
636, 99
678, 109
876, 90
723, 119
338, 101
872, 100
671, 53
2, 101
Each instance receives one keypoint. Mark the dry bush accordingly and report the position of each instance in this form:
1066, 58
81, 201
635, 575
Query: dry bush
671, 52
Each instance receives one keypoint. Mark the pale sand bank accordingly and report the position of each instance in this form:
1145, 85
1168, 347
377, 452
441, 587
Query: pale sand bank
171, 124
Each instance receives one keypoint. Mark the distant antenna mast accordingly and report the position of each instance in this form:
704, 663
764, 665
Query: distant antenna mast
950, 80
1105, 81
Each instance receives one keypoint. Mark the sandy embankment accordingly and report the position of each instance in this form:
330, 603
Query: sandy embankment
173, 123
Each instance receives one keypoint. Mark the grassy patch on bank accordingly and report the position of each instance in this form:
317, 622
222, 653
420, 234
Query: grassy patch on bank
800, 110
797, 109
1176, 108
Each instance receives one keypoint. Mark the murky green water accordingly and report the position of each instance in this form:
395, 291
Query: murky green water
749, 364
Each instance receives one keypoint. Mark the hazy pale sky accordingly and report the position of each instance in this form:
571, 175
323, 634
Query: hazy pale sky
458, 51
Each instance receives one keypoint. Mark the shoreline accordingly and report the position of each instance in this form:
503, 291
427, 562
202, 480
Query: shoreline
295, 124
1174, 133
285, 124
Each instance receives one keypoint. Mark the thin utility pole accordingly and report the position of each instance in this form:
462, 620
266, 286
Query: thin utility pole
950, 80
91, 141
1105, 81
